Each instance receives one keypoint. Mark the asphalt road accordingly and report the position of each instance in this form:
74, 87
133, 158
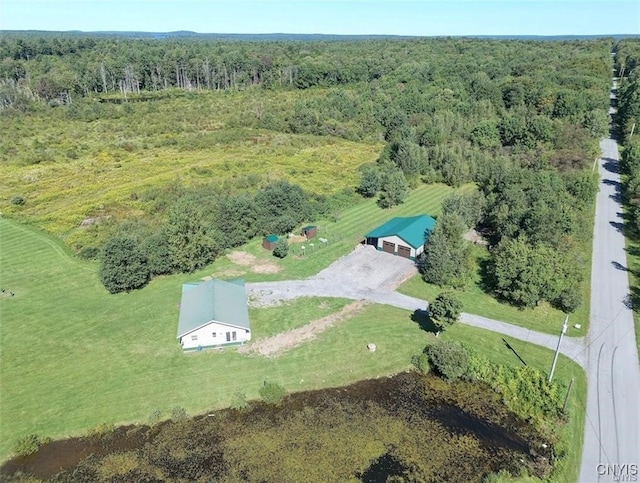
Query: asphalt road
612, 426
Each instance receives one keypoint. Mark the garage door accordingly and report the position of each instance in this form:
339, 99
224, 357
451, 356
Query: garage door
404, 251
388, 247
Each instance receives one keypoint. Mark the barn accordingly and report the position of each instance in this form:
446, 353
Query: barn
269, 242
402, 236
213, 314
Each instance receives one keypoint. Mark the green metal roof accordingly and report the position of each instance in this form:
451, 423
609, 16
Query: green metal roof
213, 300
308, 227
412, 229
271, 238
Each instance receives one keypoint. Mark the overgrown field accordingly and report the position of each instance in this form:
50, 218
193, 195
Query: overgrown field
71, 167
74, 356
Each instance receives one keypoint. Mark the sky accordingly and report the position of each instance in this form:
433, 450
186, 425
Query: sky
363, 17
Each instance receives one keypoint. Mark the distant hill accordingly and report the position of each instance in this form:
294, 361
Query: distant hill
296, 37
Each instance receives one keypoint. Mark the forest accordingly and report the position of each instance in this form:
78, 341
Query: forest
520, 119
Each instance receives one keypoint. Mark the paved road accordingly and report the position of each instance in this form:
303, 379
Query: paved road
612, 425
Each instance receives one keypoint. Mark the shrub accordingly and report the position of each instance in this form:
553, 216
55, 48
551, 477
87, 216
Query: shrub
29, 444
421, 362
281, 248
178, 413
450, 359
102, 431
568, 300
272, 393
239, 401
155, 416
89, 253
18, 200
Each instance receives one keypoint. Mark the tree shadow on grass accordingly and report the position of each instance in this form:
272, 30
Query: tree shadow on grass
486, 282
421, 317
513, 350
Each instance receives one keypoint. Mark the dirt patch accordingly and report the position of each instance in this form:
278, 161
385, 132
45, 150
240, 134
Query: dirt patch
257, 265
272, 346
297, 239
474, 237
224, 274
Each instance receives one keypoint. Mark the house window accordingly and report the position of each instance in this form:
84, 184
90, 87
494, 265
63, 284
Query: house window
228, 336
213, 335
194, 337
233, 335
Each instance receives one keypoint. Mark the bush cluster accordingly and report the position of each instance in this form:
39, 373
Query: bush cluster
272, 393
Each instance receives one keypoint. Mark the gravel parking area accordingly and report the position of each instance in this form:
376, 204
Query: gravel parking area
357, 276
367, 268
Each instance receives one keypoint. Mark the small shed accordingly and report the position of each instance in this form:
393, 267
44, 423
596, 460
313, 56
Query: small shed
269, 242
309, 231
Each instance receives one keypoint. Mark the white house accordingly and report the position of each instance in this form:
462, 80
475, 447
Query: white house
213, 314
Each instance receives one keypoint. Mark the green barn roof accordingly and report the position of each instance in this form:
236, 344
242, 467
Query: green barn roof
412, 229
201, 303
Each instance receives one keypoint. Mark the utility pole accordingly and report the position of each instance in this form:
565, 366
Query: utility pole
555, 357
632, 129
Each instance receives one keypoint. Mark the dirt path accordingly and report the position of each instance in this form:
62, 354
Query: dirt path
273, 346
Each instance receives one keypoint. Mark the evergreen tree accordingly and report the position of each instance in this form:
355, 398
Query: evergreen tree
446, 256
445, 310
394, 189
193, 243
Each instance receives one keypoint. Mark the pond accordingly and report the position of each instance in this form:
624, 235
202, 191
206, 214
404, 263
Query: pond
408, 426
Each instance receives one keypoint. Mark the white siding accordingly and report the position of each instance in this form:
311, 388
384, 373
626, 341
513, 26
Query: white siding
399, 241
204, 336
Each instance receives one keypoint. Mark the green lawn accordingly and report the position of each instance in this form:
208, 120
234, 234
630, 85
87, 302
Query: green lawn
543, 318
292, 314
74, 356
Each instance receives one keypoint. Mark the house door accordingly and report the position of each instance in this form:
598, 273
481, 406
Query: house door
228, 336
404, 251
388, 247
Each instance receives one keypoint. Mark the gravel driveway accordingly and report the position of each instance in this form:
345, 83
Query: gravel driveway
363, 274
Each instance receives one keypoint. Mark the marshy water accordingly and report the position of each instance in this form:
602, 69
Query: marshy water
408, 426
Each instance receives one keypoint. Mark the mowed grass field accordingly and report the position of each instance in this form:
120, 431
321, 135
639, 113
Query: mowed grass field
73, 356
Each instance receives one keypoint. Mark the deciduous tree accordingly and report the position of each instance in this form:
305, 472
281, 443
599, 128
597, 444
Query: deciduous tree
124, 266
